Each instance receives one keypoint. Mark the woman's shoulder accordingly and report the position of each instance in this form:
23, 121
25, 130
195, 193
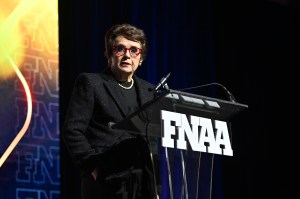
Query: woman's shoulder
89, 79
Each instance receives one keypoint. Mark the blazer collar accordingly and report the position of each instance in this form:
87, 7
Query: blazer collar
113, 89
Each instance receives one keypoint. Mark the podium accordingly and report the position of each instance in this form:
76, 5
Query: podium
147, 121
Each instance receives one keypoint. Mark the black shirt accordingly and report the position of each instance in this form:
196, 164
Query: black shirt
130, 95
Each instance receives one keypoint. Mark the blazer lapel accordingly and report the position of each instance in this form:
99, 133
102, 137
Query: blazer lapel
144, 91
112, 88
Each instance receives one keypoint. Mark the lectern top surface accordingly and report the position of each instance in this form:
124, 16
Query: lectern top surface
181, 102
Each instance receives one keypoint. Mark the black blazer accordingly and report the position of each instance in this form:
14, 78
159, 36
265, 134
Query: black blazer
95, 102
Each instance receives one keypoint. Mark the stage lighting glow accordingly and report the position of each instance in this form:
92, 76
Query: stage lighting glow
29, 109
14, 42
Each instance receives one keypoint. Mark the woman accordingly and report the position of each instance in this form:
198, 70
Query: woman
114, 163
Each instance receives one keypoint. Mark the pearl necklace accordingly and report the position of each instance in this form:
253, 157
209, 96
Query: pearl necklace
129, 87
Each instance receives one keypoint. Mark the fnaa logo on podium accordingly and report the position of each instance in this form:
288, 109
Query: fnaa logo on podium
203, 134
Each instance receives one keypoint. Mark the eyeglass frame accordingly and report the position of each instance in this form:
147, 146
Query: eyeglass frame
127, 49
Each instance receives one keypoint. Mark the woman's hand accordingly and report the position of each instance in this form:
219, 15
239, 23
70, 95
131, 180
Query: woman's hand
95, 173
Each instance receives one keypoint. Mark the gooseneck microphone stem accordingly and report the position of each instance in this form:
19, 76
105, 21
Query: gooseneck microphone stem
228, 94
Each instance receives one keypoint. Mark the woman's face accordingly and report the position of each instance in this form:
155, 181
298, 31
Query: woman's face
125, 59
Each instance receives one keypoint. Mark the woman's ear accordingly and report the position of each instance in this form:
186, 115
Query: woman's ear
141, 61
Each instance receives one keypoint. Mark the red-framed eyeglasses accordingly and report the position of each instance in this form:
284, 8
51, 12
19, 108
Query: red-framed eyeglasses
120, 50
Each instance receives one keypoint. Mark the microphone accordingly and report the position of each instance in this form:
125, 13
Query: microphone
162, 82
228, 94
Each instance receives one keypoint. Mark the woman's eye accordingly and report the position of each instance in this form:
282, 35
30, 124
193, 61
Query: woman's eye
120, 49
133, 50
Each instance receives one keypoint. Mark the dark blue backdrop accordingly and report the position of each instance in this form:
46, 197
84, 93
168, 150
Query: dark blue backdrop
251, 47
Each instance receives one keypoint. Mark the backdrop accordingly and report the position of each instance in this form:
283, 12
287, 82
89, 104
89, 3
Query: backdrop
250, 47
29, 105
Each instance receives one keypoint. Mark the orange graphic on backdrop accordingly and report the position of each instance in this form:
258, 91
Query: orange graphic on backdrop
29, 110
10, 43
12, 51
